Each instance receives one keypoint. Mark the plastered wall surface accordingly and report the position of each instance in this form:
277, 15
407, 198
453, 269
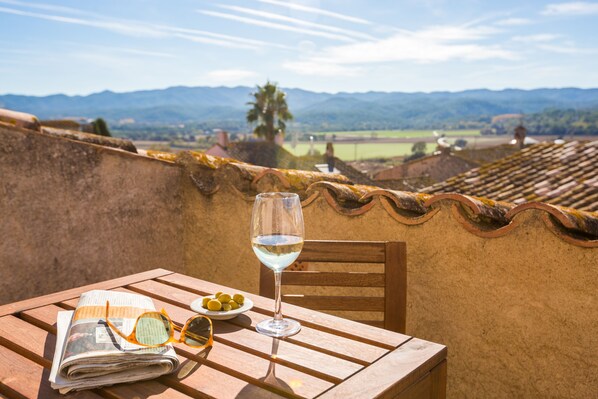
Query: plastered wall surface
73, 214
518, 312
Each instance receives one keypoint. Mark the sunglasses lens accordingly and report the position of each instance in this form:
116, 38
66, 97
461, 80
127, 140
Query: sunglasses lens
198, 332
152, 329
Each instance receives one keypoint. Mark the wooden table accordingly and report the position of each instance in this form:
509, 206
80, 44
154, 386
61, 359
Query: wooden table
330, 358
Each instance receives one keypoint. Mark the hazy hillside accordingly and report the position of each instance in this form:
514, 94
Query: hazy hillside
341, 111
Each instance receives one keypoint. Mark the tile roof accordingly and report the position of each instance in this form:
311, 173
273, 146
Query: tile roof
559, 174
271, 155
268, 154
437, 167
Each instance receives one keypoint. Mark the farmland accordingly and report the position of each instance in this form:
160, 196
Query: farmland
398, 133
367, 144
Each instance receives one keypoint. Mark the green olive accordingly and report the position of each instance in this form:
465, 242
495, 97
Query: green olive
226, 307
214, 304
224, 298
204, 302
216, 295
234, 305
239, 298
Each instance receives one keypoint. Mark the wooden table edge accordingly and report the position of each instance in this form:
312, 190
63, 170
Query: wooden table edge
60, 296
393, 390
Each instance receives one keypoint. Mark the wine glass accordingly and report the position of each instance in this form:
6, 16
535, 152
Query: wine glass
277, 240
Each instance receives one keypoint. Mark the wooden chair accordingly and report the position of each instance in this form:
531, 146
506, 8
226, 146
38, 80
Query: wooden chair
394, 279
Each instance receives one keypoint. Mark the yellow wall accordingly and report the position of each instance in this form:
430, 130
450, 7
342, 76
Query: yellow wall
74, 213
517, 312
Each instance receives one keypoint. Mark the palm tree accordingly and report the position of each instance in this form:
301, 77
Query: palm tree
269, 110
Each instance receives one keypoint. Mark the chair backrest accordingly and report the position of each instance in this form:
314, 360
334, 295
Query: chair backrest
394, 279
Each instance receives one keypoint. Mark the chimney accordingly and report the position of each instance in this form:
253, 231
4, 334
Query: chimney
520, 132
279, 139
222, 138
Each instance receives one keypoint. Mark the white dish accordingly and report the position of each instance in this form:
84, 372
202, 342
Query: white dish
220, 314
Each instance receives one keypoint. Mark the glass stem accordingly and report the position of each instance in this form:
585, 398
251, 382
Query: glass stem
277, 296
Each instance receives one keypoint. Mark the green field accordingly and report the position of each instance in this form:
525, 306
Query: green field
350, 152
400, 133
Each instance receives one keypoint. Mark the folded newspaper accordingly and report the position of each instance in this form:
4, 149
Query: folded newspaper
90, 355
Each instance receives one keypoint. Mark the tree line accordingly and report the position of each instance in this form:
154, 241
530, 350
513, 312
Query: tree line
550, 122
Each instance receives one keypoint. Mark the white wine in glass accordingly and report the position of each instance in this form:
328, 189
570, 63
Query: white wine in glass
277, 240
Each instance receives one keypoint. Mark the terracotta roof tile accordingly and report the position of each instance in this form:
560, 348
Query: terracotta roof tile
558, 174
19, 119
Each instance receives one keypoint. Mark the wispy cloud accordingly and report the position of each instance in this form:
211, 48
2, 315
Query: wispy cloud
274, 25
538, 38
572, 8
128, 28
251, 43
322, 69
143, 53
43, 6
568, 49
513, 22
296, 21
230, 75
137, 29
316, 10
430, 45
106, 60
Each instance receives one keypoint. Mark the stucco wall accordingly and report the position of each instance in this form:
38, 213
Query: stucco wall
73, 213
517, 312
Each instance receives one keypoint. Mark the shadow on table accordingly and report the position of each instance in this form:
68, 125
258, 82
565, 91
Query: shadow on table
229, 326
190, 365
270, 379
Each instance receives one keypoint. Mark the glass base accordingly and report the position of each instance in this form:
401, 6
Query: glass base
278, 328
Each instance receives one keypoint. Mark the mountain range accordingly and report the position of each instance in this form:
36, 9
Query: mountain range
342, 111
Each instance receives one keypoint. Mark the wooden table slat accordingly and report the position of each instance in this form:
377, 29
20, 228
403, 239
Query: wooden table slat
304, 359
142, 389
44, 317
38, 345
336, 325
244, 364
213, 383
330, 358
16, 307
34, 349
349, 349
239, 363
23, 378
393, 373
28, 340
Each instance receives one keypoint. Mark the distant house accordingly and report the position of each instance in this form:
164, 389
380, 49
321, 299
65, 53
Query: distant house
77, 124
426, 170
272, 155
559, 174
504, 117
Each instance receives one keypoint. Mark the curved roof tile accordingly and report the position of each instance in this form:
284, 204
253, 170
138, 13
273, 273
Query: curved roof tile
481, 216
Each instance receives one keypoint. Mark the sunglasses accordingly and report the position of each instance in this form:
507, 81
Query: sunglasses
153, 329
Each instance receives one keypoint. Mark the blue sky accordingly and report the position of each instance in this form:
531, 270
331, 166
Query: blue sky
80, 47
